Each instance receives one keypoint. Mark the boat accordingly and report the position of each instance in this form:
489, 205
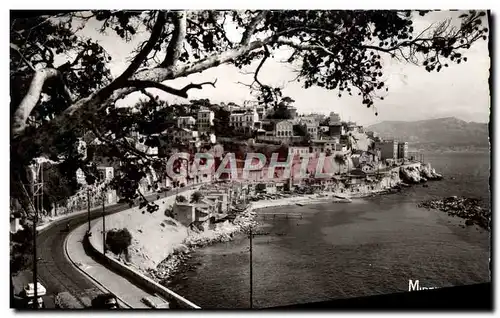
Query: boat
341, 199
299, 204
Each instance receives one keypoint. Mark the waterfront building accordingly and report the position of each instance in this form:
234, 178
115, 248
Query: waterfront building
220, 196
403, 150
388, 149
187, 213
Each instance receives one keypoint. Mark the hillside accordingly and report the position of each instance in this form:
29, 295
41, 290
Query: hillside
436, 134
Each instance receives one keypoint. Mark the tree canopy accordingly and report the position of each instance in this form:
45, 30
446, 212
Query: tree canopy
62, 88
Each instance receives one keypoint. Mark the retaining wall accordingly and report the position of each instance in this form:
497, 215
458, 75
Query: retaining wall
94, 243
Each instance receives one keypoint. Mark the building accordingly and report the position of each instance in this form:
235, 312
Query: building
262, 112
312, 129
323, 145
205, 120
187, 213
248, 119
388, 149
284, 129
185, 135
220, 197
293, 111
337, 130
403, 150
80, 177
300, 151
186, 122
351, 126
105, 173
334, 118
15, 226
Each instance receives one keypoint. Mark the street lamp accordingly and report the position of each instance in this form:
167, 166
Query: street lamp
88, 207
251, 270
103, 225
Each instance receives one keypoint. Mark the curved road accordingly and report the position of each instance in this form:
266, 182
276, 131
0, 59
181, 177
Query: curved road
54, 269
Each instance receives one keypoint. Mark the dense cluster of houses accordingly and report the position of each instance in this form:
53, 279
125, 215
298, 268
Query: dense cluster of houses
303, 135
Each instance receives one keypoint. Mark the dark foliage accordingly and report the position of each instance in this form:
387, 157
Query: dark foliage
118, 241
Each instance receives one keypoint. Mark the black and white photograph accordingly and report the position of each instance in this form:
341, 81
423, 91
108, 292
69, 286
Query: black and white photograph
250, 159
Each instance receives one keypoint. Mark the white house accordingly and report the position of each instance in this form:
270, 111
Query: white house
252, 118
205, 119
105, 173
301, 151
147, 149
185, 122
312, 129
284, 129
186, 135
322, 145
248, 119
237, 119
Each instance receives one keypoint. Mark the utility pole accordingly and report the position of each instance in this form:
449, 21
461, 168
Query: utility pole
37, 191
251, 270
88, 207
103, 225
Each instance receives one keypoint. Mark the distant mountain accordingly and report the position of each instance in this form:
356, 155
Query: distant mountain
444, 134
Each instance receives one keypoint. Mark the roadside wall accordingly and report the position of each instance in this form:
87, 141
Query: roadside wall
96, 247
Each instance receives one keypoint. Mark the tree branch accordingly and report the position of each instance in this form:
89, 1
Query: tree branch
29, 101
250, 30
174, 48
143, 54
16, 48
178, 92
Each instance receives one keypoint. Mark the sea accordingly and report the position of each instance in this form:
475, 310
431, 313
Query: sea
332, 251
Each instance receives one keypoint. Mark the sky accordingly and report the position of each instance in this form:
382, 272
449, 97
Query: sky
460, 91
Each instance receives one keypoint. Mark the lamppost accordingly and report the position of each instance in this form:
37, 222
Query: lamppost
103, 225
251, 270
37, 202
88, 207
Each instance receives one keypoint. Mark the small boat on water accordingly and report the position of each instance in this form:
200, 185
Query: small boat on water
299, 204
341, 199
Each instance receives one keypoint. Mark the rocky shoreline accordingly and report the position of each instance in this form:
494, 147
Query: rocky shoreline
173, 269
467, 208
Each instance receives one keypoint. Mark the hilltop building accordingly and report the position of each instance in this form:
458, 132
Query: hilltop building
205, 120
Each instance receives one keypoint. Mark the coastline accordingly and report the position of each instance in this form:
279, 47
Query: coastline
172, 266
